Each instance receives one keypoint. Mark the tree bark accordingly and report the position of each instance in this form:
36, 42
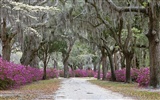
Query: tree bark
137, 63
66, 69
27, 57
115, 61
112, 67
65, 56
122, 61
6, 49
128, 57
44, 70
95, 66
55, 65
99, 70
104, 63
154, 45
111, 63
6, 42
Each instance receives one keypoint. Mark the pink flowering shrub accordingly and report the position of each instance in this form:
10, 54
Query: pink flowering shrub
143, 77
52, 73
81, 73
96, 75
15, 75
78, 73
120, 75
91, 73
108, 76
134, 74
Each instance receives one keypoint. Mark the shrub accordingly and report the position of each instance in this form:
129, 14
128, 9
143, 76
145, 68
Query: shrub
143, 77
108, 76
78, 73
91, 73
121, 75
96, 74
134, 74
15, 75
52, 73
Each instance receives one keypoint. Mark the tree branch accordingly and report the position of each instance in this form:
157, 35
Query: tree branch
115, 36
126, 9
94, 26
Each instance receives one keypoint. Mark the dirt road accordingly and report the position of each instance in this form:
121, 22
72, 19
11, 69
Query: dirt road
80, 89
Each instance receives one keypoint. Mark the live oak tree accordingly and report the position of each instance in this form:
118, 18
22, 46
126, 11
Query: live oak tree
9, 28
151, 10
17, 17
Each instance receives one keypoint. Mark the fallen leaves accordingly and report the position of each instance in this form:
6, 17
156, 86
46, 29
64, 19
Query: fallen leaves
41, 89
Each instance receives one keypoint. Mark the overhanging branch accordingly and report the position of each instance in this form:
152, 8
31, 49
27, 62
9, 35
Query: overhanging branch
126, 9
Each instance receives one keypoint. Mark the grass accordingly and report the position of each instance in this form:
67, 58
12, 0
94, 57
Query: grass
131, 90
31, 91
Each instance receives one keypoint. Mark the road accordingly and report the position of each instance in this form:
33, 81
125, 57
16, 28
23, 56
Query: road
81, 89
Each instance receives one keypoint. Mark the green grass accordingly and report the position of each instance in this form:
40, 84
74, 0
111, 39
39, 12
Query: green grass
131, 90
33, 90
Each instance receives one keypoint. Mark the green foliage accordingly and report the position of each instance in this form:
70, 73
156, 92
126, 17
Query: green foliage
53, 46
58, 46
82, 54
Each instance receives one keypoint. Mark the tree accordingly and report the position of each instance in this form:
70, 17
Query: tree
17, 17
150, 9
116, 31
9, 30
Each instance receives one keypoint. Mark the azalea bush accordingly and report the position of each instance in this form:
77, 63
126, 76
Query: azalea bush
120, 75
79, 73
52, 73
96, 75
15, 75
141, 76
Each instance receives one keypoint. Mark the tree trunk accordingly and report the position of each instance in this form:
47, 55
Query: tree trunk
111, 63
65, 64
44, 70
128, 57
6, 50
154, 44
154, 52
115, 61
35, 62
122, 61
65, 56
55, 65
27, 57
137, 63
6, 42
95, 65
66, 69
144, 58
104, 63
134, 61
112, 67
99, 70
